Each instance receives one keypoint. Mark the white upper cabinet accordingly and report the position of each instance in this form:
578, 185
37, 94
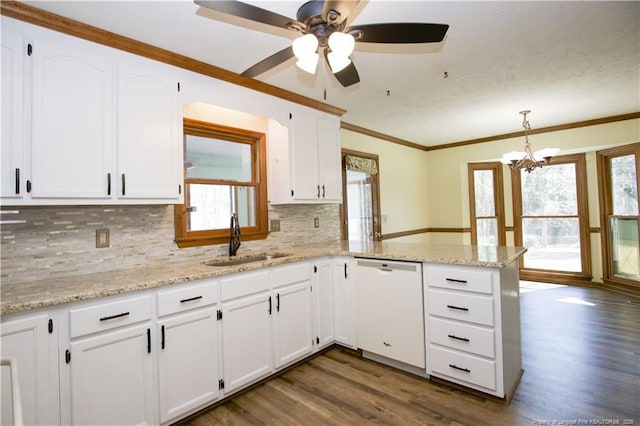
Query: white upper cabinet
149, 142
72, 119
305, 167
11, 179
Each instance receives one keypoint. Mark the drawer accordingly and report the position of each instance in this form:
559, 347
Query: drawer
460, 367
291, 274
462, 336
244, 284
105, 316
459, 278
461, 306
192, 296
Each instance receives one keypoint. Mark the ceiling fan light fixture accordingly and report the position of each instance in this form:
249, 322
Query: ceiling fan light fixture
309, 63
342, 43
337, 62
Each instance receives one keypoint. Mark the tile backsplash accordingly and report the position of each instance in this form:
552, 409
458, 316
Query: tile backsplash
46, 242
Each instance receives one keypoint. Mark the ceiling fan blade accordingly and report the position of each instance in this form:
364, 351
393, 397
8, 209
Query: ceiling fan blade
398, 33
342, 7
348, 76
270, 62
247, 11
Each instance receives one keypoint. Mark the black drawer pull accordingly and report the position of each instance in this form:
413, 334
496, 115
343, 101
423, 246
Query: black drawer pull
466, 370
457, 307
452, 336
124, 314
162, 338
191, 299
453, 280
123, 184
278, 302
148, 340
108, 183
269, 305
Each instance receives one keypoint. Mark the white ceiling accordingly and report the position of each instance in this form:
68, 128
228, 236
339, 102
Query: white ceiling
565, 61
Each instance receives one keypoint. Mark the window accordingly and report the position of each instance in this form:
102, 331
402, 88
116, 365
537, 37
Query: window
486, 204
551, 213
360, 209
225, 173
620, 214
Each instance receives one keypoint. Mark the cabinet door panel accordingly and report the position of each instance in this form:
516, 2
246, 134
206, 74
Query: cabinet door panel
329, 164
188, 362
323, 294
293, 323
112, 379
344, 307
72, 121
304, 135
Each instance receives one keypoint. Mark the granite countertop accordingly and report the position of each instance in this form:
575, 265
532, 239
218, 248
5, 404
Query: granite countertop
16, 297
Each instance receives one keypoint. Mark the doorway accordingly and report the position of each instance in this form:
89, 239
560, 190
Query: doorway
360, 212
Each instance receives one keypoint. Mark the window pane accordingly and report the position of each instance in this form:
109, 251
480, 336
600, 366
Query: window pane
487, 232
483, 186
208, 158
550, 190
552, 243
626, 253
211, 206
360, 208
624, 185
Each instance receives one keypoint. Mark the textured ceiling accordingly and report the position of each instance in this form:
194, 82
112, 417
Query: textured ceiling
565, 61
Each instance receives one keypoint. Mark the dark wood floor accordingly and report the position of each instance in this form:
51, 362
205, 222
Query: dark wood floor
581, 355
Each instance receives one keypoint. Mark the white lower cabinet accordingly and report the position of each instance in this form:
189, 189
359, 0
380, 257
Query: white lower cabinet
31, 342
188, 347
343, 301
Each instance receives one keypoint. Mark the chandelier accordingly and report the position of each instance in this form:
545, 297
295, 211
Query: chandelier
528, 160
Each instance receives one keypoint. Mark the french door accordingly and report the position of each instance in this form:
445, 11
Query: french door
620, 215
360, 212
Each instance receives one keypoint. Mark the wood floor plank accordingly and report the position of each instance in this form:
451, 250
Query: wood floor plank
581, 355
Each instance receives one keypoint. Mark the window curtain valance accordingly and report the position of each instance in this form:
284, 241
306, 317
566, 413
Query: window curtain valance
360, 164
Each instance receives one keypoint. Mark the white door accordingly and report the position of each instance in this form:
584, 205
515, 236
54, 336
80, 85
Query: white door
72, 120
343, 303
292, 323
112, 378
149, 129
246, 340
303, 132
34, 348
323, 295
188, 362
12, 178
329, 161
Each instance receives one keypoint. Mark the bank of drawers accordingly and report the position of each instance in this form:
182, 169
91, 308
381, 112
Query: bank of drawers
461, 325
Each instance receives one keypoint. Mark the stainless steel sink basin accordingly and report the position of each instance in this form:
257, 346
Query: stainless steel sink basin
245, 259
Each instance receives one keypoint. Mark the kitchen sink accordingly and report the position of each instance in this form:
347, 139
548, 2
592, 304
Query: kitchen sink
245, 259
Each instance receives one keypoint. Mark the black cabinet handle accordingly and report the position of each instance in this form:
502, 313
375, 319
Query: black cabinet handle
322, 191
67, 356
269, 305
452, 336
162, 337
50, 326
17, 181
278, 302
345, 271
29, 186
108, 183
457, 307
123, 185
191, 299
124, 314
466, 370
453, 280
318, 190
148, 340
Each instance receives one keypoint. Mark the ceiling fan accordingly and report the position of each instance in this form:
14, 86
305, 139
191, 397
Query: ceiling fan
323, 26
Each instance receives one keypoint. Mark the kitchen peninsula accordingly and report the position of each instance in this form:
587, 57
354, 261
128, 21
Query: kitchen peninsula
446, 311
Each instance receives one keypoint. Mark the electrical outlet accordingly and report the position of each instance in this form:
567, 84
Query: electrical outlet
316, 222
102, 238
275, 225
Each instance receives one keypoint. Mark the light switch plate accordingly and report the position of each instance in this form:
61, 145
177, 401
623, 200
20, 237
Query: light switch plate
102, 238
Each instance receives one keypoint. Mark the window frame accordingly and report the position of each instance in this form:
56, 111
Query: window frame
498, 198
257, 140
564, 277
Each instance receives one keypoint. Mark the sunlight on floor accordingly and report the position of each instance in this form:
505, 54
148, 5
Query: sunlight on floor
575, 301
528, 286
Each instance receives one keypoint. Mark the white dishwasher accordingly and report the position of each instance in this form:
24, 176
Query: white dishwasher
390, 311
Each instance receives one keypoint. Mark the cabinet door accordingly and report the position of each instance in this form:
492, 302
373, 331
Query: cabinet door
329, 162
34, 348
303, 132
323, 295
343, 303
188, 362
112, 378
12, 176
149, 129
246, 340
72, 120
292, 323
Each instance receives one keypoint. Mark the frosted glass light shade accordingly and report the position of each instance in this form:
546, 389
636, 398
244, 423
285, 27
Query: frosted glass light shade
309, 64
342, 44
305, 46
512, 156
337, 61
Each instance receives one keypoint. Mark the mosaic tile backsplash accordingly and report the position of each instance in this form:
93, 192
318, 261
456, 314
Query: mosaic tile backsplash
60, 241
